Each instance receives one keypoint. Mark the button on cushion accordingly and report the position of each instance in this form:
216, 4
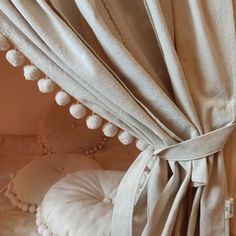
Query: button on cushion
81, 203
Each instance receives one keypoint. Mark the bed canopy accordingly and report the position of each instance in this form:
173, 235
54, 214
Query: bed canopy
164, 73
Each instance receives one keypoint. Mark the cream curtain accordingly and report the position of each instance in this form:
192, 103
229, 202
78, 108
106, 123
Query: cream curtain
162, 70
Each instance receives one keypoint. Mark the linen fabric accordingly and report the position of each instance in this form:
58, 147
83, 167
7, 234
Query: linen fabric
162, 70
81, 203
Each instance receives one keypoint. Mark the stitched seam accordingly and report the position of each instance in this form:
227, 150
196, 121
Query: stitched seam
114, 24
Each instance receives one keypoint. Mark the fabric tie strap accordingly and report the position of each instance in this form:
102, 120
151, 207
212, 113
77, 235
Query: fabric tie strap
131, 185
199, 147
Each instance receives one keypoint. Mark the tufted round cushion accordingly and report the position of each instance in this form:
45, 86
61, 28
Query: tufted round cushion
30, 183
79, 204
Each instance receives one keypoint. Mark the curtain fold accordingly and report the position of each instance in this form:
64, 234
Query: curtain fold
170, 83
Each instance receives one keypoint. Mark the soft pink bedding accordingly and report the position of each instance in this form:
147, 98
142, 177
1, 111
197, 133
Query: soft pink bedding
14, 222
15, 152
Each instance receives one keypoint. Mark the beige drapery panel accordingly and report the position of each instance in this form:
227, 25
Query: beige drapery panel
162, 70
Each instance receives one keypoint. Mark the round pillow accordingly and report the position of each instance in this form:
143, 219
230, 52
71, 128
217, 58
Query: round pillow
28, 187
59, 132
79, 204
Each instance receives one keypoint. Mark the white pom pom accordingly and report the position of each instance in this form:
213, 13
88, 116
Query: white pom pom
107, 200
20, 205
41, 228
125, 138
4, 43
46, 85
109, 130
11, 196
39, 221
62, 98
32, 208
31, 72
15, 202
93, 121
15, 58
25, 207
46, 232
77, 110
141, 145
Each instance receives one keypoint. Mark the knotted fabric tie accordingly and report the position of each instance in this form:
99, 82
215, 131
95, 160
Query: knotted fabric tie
199, 147
130, 189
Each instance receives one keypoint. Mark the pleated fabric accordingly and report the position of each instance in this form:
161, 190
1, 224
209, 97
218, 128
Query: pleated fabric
165, 71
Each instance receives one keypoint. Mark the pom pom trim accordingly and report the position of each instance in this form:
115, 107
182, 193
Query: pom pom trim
15, 57
125, 138
62, 98
31, 72
93, 121
4, 43
109, 129
42, 228
16, 202
77, 110
46, 85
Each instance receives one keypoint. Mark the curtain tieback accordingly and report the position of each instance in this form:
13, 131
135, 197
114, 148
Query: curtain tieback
199, 147
131, 188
